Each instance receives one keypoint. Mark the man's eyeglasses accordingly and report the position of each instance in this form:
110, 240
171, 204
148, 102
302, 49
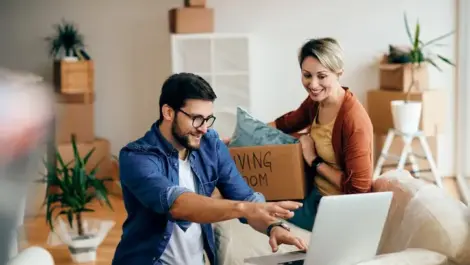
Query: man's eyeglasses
199, 120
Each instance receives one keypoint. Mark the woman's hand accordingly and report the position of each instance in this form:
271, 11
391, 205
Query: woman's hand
226, 140
308, 148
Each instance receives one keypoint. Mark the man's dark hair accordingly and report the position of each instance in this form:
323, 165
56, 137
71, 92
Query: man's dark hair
178, 88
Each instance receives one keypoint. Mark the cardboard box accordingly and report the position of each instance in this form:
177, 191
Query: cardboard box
191, 20
398, 77
101, 155
276, 171
84, 98
195, 3
75, 119
74, 77
433, 119
397, 147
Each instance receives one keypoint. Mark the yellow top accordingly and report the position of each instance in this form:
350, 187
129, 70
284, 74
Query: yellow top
321, 135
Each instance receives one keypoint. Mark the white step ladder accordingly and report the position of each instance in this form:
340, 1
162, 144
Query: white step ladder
407, 153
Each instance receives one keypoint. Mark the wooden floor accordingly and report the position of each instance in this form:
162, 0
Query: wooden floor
37, 231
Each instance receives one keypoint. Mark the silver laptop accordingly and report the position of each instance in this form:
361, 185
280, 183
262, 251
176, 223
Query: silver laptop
347, 230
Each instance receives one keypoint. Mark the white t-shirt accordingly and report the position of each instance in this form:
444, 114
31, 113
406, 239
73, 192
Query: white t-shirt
185, 247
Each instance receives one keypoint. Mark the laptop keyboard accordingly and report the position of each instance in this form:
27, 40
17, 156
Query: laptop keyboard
296, 262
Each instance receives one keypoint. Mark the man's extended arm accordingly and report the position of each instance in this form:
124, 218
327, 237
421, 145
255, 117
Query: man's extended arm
142, 176
202, 209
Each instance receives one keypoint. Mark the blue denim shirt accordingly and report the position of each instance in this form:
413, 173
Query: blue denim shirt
149, 179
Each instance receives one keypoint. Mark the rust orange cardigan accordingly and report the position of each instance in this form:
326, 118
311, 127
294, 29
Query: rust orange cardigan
352, 138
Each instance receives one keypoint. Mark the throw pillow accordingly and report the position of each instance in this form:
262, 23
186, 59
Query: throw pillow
250, 131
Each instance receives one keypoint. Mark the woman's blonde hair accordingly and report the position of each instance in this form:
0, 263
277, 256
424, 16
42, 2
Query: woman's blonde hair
326, 50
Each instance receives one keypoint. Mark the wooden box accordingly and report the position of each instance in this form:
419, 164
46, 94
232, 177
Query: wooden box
191, 20
398, 76
75, 119
74, 77
433, 114
83, 98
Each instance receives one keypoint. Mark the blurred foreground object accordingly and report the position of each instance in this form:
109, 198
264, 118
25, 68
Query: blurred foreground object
32, 255
26, 122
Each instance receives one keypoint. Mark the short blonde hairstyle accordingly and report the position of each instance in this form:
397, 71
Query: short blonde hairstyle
327, 51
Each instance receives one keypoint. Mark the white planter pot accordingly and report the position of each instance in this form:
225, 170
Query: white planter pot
70, 59
406, 116
83, 249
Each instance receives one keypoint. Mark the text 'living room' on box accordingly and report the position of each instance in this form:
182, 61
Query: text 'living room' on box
276, 171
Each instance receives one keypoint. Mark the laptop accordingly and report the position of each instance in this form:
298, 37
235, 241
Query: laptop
347, 230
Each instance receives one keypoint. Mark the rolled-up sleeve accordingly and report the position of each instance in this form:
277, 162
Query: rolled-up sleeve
143, 178
231, 184
358, 153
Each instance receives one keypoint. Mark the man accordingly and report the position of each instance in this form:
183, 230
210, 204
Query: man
168, 176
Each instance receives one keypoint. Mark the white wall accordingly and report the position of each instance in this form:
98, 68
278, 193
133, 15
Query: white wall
364, 27
129, 42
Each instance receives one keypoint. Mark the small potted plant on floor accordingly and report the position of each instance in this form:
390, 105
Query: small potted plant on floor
406, 113
71, 190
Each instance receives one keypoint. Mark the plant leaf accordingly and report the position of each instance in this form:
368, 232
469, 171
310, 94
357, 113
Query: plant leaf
445, 60
87, 156
76, 154
434, 64
438, 38
416, 42
408, 32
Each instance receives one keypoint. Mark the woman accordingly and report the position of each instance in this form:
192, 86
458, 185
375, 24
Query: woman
338, 146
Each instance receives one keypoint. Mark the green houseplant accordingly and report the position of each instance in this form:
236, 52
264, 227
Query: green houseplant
418, 52
71, 190
66, 39
406, 113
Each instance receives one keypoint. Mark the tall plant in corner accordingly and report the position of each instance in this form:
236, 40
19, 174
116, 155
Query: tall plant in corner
67, 38
71, 189
417, 54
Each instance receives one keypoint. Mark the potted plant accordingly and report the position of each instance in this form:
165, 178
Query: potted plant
406, 113
67, 39
73, 70
71, 190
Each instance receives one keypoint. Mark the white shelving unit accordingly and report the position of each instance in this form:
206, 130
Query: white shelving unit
224, 61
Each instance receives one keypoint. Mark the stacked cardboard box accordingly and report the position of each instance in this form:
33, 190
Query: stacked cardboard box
193, 17
75, 99
394, 80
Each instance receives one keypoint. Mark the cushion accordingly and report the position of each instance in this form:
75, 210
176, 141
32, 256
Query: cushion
409, 256
253, 132
424, 216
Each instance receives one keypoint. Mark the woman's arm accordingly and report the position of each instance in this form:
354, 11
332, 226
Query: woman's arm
330, 173
310, 154
296, 120
358, 160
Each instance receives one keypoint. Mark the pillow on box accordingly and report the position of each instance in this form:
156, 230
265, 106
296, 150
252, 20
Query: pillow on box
252, 132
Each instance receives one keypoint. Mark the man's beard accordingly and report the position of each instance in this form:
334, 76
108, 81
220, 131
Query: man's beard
182, 139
